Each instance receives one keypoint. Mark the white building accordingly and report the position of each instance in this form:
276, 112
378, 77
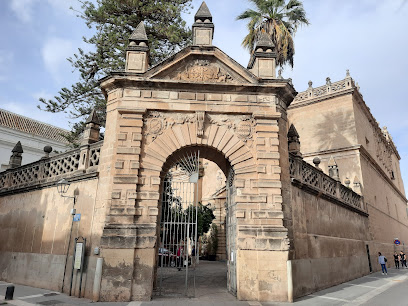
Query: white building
33, 135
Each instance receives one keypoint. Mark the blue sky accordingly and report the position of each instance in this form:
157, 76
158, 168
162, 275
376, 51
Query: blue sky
366, 36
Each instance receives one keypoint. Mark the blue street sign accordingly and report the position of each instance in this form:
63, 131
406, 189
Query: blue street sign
397, 242
77, 217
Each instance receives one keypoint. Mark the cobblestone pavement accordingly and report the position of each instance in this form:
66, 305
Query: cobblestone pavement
373, 289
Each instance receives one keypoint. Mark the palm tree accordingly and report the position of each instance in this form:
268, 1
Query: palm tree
278, 19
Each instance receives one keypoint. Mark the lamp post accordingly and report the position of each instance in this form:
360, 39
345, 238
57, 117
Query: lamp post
62, 187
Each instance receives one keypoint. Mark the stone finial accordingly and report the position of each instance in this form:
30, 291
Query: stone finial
138, 35
310, 83
316, 162
264, 43
137, 53
93, 118
280, 74
47, 151
347, 182
16, 158
328, 81
263, 60
356, 185
203, 28
347, 73
203, 13
293, 141
333, 169
92, 128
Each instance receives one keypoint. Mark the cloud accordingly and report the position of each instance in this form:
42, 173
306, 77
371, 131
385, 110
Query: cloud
23, 9
54, 53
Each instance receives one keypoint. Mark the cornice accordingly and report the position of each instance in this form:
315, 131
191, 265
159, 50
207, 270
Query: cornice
376, 166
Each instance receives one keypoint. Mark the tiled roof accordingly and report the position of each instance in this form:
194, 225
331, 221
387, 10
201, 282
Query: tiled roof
30, 126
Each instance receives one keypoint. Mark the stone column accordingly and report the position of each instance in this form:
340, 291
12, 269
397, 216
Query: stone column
119, 178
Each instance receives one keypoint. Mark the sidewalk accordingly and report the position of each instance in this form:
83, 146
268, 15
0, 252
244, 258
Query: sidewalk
368, 290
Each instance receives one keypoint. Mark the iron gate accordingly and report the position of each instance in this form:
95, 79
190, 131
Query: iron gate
177, 254
231, 234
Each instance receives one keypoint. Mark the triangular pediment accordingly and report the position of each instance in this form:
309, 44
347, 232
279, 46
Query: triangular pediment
202, 66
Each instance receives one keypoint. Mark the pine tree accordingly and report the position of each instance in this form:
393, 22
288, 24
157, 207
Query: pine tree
114, 21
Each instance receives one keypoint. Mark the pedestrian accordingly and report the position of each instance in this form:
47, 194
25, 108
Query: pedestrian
396, 260
403, 259
180, 257
382, 260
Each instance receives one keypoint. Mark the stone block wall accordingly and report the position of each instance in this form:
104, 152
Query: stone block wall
35, 230
329, 243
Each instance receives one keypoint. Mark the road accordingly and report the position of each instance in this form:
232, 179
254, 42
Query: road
373, 290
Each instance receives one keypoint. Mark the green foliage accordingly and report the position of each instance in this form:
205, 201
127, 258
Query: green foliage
205, 216
280, 19
114, 21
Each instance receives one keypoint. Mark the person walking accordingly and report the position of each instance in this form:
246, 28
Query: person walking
180, 253
396, 260
403, 259
382, 260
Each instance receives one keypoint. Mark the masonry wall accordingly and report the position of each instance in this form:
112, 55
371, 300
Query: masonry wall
34, 236
329, 243
327, 128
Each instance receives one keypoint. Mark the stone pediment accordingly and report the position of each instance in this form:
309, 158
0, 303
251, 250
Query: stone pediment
211, 66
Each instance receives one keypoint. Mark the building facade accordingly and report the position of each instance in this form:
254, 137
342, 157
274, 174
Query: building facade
291, 227
32, 134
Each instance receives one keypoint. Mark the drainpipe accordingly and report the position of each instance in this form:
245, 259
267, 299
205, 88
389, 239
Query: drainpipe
290, 280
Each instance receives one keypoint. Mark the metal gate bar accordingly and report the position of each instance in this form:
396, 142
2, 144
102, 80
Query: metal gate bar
178, 228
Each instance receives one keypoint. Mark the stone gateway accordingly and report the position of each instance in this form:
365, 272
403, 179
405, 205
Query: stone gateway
290, 227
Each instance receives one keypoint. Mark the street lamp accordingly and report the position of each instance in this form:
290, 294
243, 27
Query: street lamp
62, 187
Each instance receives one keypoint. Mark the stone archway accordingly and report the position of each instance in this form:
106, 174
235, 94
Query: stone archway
178, 274
216, 144
153, 115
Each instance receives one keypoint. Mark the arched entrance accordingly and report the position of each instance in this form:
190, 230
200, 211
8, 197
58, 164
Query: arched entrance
183, 222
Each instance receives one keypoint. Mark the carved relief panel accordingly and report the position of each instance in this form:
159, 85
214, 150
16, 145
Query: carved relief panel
155, 123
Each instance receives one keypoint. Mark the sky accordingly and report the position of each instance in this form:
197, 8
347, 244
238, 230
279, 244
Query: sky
368, 37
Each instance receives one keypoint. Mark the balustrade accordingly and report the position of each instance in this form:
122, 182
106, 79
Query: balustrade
305, 174
49, 170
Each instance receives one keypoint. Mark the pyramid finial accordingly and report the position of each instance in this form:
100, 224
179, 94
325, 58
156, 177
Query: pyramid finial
18, 148
92, 129
292, 131
263, 60
16, 158
137, 53
139, 34
203, 28
93, 118
203, 13
264, 41
332, 162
